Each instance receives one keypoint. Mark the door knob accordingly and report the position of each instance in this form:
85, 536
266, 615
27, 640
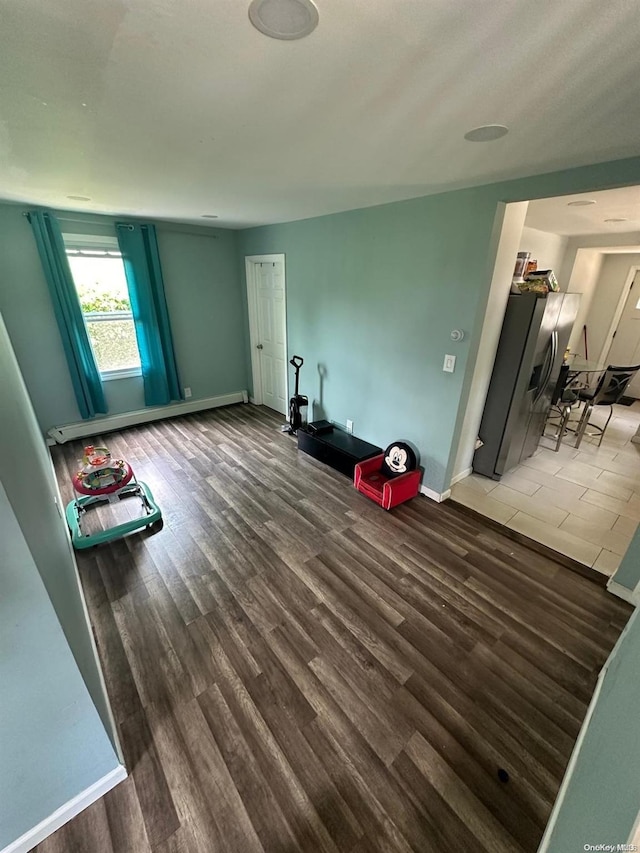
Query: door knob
259, 346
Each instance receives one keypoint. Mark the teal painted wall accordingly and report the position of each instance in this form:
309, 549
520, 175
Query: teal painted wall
373, 294
203, 295
207, 309
628, 573
54, 745
602, 800
28, 315
26, 473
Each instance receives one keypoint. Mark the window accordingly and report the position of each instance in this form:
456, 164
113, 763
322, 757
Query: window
98, 274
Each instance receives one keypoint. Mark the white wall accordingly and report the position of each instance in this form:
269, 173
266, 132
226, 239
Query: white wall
607, 294
548, 249
509, 241
600, 242
584, 280
581, 267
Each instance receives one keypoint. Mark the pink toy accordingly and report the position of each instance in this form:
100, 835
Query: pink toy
100, 475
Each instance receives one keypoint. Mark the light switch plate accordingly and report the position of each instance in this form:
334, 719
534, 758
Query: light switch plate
449, 363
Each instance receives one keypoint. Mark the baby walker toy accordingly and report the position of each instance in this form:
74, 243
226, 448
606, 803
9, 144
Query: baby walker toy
101, 479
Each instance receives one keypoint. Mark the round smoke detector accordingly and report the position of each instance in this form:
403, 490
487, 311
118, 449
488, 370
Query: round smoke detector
486, 133
284, 19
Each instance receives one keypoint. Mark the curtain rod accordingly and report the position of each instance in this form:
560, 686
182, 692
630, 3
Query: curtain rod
99, 219
90, 217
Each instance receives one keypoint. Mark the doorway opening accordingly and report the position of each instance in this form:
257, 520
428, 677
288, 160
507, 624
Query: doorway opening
267, 304
622, 345
582, 501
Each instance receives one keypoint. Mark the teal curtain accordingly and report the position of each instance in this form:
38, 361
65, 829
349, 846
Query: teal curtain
139, 247
85, 375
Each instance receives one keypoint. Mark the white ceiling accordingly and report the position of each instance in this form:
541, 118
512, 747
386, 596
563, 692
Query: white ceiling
177, 109
558, 216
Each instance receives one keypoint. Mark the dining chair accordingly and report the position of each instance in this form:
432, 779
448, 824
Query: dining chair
609, 391
562, 403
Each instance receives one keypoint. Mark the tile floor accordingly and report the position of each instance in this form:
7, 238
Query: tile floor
584, 503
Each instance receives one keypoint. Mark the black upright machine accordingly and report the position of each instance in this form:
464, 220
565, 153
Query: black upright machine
297, 402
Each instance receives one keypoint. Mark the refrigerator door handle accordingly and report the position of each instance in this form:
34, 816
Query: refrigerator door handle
553, 351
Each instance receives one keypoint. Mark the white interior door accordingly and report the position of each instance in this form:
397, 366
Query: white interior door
268, 320
625, 347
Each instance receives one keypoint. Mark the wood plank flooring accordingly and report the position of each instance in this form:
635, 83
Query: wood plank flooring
293, 669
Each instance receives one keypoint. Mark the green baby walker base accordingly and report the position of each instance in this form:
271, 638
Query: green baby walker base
102, 479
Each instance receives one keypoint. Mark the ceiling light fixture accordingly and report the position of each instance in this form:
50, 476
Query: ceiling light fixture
209, 216
284, 19
79, 197
486, 133
581, 202
616, 220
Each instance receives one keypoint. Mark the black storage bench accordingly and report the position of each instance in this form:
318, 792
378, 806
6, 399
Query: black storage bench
338, 449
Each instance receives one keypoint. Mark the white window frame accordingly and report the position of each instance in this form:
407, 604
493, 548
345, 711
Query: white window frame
88, 244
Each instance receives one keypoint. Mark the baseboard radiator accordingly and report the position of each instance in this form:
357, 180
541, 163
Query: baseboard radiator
110, 423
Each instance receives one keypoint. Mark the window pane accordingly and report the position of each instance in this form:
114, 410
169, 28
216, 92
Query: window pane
114, 344
100, 282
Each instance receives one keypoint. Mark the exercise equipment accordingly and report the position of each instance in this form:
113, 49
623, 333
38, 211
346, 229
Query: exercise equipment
105, 480
298, 401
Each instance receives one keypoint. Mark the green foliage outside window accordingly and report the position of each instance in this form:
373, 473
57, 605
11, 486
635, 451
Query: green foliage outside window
92, 299
102, 290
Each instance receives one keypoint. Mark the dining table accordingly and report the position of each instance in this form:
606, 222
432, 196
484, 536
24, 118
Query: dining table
581, 371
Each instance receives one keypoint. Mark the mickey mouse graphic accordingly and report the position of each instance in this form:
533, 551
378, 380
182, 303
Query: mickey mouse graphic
396, 459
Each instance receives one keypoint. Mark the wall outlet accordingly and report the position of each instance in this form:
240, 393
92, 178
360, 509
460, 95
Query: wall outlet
187, 393
349, 427
449, 363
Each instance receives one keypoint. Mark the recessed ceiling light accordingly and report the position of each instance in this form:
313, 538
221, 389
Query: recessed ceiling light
209, 216
581, 202
284, 19
79, 197
486, 133
616, 220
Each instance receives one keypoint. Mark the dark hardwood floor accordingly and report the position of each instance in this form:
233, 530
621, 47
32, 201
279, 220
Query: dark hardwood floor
293, 669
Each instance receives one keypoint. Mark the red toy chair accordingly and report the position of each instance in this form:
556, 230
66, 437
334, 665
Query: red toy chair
370, 478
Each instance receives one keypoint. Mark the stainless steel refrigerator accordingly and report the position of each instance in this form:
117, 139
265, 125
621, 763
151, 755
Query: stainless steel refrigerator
534, 336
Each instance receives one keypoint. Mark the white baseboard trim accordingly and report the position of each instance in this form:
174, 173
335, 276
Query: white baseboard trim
461, 476
64, 814
439, 497
629, 595
95, 426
